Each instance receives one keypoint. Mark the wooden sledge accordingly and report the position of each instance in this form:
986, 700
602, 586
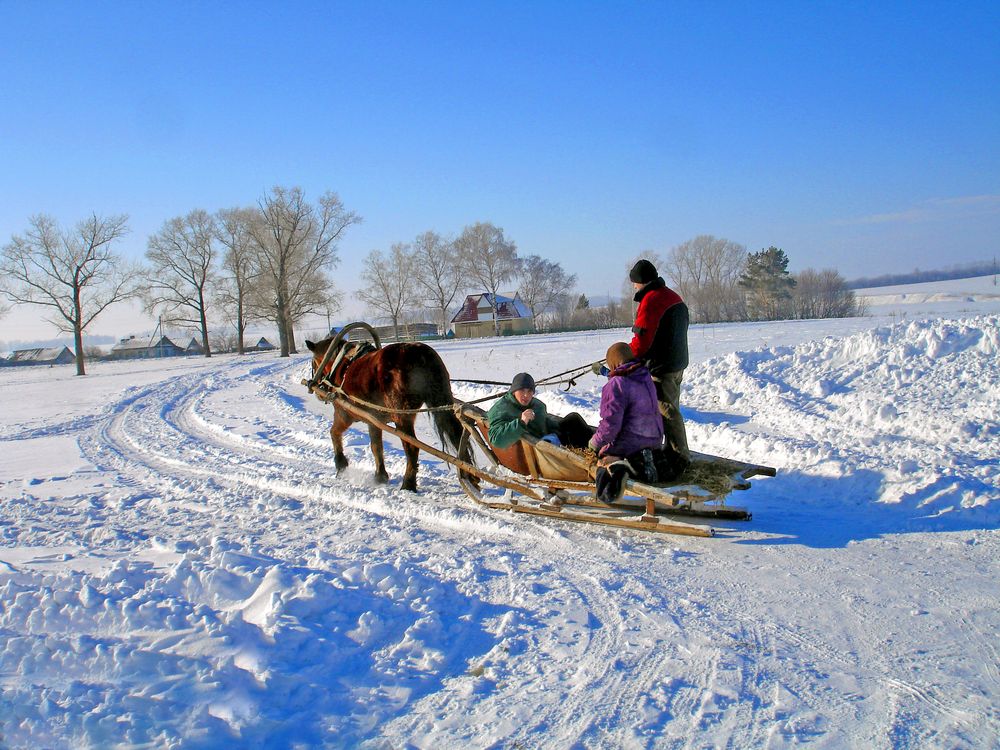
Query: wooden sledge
548, 480
565, 479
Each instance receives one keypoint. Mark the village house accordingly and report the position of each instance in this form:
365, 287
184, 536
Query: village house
475, 318
263, 345
42, 356
133, 348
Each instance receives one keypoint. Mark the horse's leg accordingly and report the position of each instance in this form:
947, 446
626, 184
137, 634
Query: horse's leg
405, 425
375, 438
340, 423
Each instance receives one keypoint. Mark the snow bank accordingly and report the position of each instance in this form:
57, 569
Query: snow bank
912, 404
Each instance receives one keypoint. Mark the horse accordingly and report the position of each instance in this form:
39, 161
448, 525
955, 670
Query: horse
398, 378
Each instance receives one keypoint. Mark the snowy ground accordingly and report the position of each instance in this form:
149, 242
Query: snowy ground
179, 567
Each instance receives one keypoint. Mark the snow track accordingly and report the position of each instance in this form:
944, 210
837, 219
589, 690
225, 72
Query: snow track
196, 576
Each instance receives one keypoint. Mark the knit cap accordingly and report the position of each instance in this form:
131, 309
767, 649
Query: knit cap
522, 380
642, 272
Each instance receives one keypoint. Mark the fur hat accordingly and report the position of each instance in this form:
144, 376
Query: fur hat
618, 354
643, 272
522, 380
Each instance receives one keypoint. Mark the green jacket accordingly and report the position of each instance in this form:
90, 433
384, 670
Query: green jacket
506, 427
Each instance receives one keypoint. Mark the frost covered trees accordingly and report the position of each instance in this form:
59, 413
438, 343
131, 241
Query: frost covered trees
488, 259
235, 282
295, 244
388, 287
706, 272
543, 284
74, 273
437, 274
177, 284
823, 294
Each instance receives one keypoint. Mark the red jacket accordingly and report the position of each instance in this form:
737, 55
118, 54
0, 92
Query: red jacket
660, 329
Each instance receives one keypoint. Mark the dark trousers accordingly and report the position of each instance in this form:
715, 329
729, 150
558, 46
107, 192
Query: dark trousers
574, 431
668, 394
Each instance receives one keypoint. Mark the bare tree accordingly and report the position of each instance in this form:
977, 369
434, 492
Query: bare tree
234, 231
489, 259
295, 243
316, 295
74, 273
388, 291
823, 294
438, 274
613, 314
542, 281
182, 269
562, 310
706, 273
224, 340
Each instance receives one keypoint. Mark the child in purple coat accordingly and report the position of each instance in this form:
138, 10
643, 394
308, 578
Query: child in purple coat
631, 427
630, 413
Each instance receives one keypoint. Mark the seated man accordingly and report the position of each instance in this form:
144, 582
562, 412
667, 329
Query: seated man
631, 427
519, 413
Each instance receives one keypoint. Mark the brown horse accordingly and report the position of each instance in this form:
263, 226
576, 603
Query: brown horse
399, 377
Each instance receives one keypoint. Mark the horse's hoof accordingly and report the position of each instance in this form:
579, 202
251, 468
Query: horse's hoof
340, 463
409, 484
381, 478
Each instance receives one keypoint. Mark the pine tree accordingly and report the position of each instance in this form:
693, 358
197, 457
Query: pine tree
768, 284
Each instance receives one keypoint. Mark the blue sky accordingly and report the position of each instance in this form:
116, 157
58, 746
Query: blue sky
859, 136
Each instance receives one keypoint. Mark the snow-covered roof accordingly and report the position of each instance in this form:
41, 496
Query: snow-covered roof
39, 354
478, 309
133, 344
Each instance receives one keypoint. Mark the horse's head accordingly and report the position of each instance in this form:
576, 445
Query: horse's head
323, 355
330, 352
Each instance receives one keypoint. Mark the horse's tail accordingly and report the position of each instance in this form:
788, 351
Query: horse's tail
439, 395
448, 428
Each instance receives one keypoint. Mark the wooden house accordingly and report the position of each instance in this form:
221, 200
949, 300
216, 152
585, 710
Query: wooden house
475, 318
57, 355
133, 348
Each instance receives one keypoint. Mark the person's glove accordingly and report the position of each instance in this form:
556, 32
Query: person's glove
600, 369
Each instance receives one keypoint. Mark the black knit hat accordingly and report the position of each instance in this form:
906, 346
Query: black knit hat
643, 272
522, 380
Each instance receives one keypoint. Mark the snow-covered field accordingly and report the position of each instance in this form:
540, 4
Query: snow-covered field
179, 566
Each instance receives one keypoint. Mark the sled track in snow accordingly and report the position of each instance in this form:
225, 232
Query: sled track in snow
177, 438
242, 450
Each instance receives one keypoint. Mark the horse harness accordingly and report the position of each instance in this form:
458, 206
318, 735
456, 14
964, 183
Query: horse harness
330, 379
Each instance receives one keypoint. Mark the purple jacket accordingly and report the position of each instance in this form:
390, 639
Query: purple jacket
630, 414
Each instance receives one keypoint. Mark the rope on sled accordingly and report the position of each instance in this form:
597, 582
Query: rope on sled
575, 373
339, 392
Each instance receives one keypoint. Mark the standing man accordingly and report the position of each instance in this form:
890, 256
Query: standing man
660, 342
